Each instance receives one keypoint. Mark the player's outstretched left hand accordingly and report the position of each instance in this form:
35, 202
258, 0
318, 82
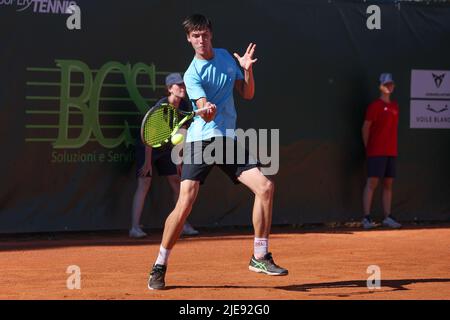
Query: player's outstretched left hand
246, 61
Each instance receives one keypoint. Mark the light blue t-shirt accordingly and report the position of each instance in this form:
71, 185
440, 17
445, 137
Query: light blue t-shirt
214, 80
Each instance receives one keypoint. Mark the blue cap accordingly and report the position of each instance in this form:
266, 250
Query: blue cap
386, 78
174, 78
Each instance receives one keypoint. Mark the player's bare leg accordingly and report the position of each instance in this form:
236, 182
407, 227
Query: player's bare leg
172, 230
174, 182
263, 188
175, 220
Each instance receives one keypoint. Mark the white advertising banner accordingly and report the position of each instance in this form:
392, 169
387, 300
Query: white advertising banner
430, 84
432, 109
430, 114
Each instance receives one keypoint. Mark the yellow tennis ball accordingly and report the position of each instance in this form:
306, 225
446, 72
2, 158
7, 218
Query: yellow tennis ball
177, 138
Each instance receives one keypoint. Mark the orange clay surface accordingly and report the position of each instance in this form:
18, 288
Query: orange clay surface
323, 263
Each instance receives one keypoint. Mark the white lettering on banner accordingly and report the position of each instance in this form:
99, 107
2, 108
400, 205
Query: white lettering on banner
40, 6
431, 114
6, 2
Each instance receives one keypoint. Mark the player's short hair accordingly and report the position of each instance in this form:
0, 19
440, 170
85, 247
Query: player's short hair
196, 22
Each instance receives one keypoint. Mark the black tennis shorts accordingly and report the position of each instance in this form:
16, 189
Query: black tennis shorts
381, 167
231, 157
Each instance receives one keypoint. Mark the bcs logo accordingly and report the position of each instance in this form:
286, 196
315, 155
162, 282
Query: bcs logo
88, 102
79, 118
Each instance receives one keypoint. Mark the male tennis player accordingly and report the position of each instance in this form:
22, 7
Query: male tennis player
210, 80
379, 133
160, 158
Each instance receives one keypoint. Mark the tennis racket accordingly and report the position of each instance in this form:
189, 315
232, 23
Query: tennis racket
162, 122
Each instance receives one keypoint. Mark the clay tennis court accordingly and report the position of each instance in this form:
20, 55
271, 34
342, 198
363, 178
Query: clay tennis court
324, 263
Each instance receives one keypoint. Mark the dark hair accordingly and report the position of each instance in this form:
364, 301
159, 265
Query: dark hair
196, 22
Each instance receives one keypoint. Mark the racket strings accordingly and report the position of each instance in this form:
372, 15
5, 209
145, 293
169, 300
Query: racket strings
160, 124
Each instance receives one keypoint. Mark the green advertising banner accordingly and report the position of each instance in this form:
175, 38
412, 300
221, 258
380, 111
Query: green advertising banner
76, 78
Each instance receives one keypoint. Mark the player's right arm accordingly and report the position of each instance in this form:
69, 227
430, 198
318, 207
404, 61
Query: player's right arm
196, 93
210, 113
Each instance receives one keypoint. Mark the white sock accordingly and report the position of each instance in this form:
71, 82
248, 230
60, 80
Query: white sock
163, 256
260, 246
